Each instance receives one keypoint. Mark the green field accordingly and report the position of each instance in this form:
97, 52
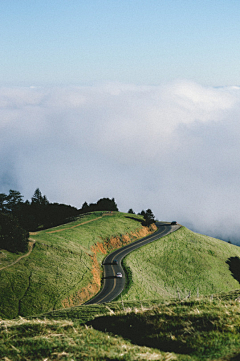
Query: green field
64, 267
181, 263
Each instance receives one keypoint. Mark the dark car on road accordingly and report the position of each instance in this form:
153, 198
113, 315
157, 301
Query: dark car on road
115, 261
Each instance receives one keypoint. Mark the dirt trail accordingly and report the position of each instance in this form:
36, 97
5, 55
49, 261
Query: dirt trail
77, 225
30, 248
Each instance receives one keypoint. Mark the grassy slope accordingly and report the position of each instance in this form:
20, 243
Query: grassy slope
178, 263
7, 257
59, 265
193, 330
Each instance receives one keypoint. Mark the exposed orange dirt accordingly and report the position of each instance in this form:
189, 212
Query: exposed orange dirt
80, 296
104, 247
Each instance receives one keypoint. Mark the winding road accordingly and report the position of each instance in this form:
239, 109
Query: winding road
113, 286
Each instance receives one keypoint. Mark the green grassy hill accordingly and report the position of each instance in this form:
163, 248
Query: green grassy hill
180, 263
64, 267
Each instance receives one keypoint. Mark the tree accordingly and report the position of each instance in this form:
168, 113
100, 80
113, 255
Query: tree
13, 238
85, 205
149, 217
39, 206
3, 201
14, 205
106, 204
56, 214
11, 202
14, 200
131, 211
103, 204
38, 199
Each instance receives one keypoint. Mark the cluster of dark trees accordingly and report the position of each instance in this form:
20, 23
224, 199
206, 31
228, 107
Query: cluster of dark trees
18, 217
147, 215
36, 214
104, 204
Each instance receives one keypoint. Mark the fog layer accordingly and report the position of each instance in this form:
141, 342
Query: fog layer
174, 148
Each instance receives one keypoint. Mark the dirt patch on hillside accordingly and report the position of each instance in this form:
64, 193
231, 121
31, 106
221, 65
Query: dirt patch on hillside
104, 247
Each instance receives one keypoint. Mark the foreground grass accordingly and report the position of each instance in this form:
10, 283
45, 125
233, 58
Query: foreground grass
60, 264
65, 340
180, 264
197, 329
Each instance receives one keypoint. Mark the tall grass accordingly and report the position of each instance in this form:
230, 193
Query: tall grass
195, 330
66, 340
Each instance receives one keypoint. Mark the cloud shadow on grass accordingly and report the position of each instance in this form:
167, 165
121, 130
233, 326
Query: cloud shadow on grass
139, 332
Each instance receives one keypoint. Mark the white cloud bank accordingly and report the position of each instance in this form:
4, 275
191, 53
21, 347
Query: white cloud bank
174, 148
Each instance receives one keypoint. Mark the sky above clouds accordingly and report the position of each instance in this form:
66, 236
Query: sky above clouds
136, 100
130, 41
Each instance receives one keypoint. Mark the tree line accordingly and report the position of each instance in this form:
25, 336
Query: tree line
18, 217
36, 214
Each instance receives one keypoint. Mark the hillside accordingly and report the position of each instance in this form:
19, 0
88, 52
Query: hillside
64, 267
180, 263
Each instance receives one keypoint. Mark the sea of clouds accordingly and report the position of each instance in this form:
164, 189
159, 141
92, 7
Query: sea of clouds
174, 148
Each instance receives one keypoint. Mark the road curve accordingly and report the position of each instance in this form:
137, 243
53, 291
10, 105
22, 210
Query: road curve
113, 286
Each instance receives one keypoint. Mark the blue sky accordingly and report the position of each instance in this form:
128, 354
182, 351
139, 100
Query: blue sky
62, 42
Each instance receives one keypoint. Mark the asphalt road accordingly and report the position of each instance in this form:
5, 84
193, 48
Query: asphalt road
113, 286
